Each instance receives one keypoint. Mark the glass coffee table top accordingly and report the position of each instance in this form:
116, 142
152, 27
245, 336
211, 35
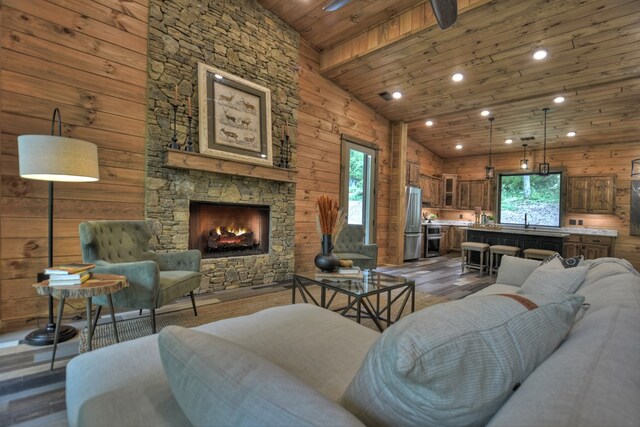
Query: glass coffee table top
370, 283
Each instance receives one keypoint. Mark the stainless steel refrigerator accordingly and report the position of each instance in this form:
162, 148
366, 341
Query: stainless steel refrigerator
413, 223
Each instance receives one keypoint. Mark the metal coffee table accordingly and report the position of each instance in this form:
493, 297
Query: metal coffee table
363, 295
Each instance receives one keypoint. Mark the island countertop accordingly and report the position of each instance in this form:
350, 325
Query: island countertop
544, 231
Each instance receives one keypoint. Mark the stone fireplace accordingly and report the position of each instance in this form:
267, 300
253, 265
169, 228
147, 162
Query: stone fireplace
225, 229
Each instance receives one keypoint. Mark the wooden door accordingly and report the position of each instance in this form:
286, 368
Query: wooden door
487, 202
578, 194
449, 184
602, 195
572, 249
413, 173
437, 192
425, 185
464, 188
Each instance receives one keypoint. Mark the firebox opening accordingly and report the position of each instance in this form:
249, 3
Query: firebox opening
226, 229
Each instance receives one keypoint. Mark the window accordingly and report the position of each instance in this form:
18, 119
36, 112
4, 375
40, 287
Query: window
359, 185
534, 195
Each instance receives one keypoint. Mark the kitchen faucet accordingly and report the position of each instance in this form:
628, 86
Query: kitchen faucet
526, 224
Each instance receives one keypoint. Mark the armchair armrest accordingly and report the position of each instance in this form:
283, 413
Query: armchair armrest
184, 261
370, 250
143, 278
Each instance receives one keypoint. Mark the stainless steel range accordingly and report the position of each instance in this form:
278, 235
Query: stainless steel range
432, 238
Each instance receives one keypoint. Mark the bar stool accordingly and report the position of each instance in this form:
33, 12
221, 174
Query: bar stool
540, 254
467, 248
495, 255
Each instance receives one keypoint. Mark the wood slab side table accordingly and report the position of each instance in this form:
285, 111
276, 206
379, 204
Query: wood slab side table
97, 285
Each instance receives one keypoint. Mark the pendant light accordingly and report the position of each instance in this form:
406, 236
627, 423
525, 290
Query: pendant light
543, 168
524, 163
489, 171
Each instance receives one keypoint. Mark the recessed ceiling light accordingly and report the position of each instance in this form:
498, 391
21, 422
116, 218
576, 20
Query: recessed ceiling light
459, 147
263, 155
508, 141
540, 54
558, 99
457, 77
571, 134
396, 95
217, 76
485, 113
429, 123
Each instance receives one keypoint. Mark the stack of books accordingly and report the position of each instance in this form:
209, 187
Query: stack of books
343, 273
69, 274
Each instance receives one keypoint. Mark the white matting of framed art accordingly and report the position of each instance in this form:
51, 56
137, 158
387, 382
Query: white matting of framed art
235, 117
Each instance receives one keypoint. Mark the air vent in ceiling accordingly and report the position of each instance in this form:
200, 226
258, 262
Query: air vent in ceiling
527, 138
386, 96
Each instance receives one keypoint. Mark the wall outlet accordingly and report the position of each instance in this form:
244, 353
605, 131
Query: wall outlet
572, 222
460, 216
579, 222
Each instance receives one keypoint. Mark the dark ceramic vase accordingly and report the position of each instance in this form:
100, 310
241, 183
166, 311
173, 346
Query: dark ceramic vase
327, 260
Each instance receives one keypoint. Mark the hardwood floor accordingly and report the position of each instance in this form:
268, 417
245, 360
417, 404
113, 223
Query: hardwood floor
32, 395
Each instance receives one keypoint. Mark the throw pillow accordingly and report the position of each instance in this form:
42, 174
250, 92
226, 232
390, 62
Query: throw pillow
217, 382
557, 260
554, 282
455, 364
514, 271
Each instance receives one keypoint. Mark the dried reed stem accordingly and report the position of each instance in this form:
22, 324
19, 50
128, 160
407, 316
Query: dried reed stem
331, 219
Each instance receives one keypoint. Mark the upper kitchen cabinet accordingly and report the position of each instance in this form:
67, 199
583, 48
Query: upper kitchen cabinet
431, 191
413, 173
472, 194
449, 190
591, 194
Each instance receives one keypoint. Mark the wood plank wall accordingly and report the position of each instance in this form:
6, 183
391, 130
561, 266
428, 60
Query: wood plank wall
430, 163
326, 111
89, 59
604, 159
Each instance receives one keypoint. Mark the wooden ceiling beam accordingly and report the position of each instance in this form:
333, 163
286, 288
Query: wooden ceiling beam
402, 26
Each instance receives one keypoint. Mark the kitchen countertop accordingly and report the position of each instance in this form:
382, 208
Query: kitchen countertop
539, 231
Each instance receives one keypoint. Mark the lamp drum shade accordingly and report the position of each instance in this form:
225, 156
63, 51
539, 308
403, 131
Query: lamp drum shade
57, 158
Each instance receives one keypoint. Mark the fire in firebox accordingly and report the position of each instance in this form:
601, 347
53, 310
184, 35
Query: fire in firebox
229, 239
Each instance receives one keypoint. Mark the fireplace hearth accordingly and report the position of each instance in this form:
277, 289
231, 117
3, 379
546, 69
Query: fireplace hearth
228, 230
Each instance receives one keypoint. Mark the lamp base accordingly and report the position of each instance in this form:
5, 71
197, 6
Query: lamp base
45, 336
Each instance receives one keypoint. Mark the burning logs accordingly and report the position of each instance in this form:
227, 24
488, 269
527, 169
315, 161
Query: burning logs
221, 238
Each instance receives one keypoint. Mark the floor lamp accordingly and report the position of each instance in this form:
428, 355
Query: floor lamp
55, 158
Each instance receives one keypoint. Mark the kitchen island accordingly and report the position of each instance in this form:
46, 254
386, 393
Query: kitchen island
561, 240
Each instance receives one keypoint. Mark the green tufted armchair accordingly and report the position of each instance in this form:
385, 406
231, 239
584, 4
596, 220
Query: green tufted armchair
155, 279
350, 245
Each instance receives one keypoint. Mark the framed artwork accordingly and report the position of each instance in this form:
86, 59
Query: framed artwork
235, 117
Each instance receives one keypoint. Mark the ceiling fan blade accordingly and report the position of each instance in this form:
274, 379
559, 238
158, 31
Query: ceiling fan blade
446, 12
335, 5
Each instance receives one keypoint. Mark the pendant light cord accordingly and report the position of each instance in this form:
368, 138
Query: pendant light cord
490, 137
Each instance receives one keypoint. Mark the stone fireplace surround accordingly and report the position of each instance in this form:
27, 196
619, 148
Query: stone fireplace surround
168, 203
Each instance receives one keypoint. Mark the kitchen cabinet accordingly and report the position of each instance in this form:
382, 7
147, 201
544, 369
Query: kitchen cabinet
591, 247
431, 191
413, 173
452, 238
472, 194
449, 190
591, 194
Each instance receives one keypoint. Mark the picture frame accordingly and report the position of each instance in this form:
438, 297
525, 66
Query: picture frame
234, 117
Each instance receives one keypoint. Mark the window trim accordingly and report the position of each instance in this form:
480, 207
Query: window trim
498, 190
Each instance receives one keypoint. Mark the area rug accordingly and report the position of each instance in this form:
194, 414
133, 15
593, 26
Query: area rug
141, 326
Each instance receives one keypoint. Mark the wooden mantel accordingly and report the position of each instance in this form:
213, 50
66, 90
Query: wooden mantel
196, 161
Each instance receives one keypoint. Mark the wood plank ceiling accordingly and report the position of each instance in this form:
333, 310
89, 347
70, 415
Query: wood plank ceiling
372, 46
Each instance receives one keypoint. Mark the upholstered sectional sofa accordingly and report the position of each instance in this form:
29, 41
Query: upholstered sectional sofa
523, 352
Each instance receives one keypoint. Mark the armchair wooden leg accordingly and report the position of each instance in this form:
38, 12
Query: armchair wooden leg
193, 303
153, 321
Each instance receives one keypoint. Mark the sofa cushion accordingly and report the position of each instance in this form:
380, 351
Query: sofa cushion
591, 380
611, 282
454, 364
551, 280
514, 271
218, 382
